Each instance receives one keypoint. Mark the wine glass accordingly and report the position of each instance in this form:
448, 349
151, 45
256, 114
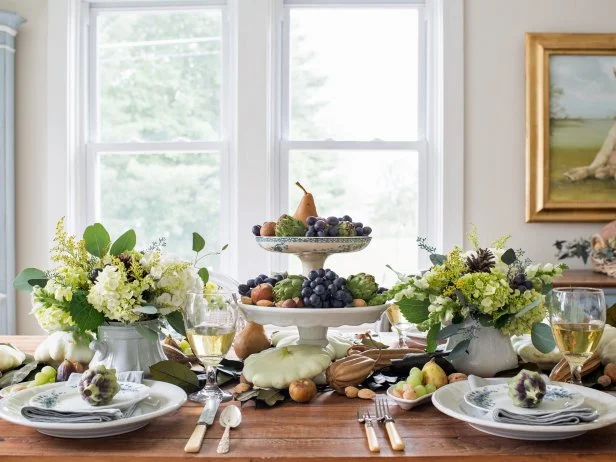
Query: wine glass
577, 316
211, 322
398, 323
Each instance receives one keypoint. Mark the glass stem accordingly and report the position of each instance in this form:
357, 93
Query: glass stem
401, 342
210, 378
576, 374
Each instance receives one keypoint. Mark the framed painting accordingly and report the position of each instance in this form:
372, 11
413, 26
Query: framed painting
570, 127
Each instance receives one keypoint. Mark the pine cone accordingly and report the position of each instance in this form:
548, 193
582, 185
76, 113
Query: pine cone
483, 262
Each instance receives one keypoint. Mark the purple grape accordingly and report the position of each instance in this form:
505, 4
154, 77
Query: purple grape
320, 225
321, 272
313, 284
346, 218
311, 232
306, 292
319, 280
367, 230
340, 295
251, 283
332, 221
306, 301
321, 233
243, 288
332, 288
310, 221
314, 300
271, 281
332, 231
256, 230
528, 284
320, 290
312, 275
359, 231
337, 304
359, 224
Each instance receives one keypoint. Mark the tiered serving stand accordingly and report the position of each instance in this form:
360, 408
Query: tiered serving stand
312, 323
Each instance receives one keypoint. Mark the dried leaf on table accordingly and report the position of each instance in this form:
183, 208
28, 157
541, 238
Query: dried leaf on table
176, 374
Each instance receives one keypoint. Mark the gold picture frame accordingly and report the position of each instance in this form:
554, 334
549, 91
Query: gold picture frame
569, 123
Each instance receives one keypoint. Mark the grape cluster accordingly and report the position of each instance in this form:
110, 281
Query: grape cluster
244, 289
328, 227
45, 376
521, 283
324, 289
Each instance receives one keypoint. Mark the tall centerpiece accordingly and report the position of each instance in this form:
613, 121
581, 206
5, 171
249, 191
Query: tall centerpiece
114, 291
477, 300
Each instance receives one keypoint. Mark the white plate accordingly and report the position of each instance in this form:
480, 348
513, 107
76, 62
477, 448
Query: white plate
7, 391
493, 397
450, 400
407, 404
68, 398
164, 398
314, 245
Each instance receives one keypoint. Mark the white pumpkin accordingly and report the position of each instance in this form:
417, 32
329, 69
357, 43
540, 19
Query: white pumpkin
338, 343
64, 345
278, 367
10, 357
524, 347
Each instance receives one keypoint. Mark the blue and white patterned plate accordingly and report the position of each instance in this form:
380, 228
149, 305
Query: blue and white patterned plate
67, 398
497, 397
314, 245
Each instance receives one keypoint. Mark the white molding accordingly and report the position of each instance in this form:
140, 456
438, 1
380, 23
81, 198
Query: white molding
354, 3
7, 48
8, 30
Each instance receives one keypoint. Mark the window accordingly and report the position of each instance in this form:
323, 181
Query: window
156, 141
353, 122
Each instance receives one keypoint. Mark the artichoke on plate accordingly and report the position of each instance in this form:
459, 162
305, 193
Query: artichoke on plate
527, 389
362, 286
99, 385
287, 226
346, 229
288, 288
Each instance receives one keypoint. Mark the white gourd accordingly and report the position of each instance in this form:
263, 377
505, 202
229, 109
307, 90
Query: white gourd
64, 345
278, 367
524, 347
338, 344
607, 345
10, 357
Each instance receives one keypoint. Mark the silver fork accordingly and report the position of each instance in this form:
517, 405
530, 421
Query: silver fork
373, 442
130, 411
383, 415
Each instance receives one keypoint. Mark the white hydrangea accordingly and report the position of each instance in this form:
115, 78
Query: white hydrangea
50, 316
114, 296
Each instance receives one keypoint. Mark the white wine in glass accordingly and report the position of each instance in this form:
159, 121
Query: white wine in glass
211, 322
577, 316
399, 324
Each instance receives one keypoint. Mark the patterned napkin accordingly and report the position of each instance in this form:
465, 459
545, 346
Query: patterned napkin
37, 414
569, 417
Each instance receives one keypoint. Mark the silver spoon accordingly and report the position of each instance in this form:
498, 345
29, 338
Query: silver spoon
230, 417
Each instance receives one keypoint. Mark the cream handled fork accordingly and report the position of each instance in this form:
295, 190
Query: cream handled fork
383, 415
373, 442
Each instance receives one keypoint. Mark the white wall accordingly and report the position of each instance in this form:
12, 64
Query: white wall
495, 113
30, 145
494, 122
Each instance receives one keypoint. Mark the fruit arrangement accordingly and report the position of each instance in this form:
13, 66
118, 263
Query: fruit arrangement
423, 381
323, 288
307, 223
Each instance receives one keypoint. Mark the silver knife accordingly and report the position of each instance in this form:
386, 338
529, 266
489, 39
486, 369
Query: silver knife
206, 418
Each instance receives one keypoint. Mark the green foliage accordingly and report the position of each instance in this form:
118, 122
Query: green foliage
204, 274
459, 350
176, 374
23, 280
473, 237
146, 332
448, 331
415, 311
508, 258
84, 314
542, 337
124, 243
431, 342
198, 243
176, 321
97, 240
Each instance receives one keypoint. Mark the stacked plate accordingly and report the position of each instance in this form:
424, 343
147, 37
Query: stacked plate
475, 407
152, 399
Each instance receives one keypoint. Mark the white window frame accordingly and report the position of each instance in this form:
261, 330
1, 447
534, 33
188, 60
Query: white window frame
253, 120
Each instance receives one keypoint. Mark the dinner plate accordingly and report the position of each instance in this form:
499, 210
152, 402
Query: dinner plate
7, 391
164, 398
493, 397
450, 400
68, 398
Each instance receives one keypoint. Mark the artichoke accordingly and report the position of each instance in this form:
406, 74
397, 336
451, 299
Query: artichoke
99, 385
346, 229
287, 226
288, 288
527, 389
378, 299
362, 286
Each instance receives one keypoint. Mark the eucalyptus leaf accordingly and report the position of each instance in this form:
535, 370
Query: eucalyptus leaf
97, 240
84, 314
459, 350
503, 320
38, 282
542, 337
415, 311
176, 321
438, 259
146, 309
124, 243
431, 342
448, 331
17, 375
146, 332
176, 374
485, 320
224, 247
204, 274
22, 281
508, 257
231, 367
247, 395
270, 396
198, 242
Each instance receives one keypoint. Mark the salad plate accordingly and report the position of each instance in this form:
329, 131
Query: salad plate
68, 398
163, 399
493, 397
450, 400
407, 404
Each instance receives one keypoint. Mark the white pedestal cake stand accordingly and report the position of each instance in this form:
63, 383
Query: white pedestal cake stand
313, 323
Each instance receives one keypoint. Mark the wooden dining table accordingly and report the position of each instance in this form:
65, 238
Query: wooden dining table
326, 429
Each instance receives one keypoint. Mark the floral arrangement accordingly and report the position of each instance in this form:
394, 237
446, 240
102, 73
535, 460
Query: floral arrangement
495, 286
97, 281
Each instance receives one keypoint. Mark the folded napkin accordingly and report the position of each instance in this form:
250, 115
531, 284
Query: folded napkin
37, 414
475, 382
569, 417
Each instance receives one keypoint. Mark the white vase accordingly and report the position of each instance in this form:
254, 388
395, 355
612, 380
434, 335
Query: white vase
121, 347
489, 352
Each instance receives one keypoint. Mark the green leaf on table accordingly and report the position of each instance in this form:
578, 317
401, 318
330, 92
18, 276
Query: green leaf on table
459, 350
448, 331
204, 274
370, 342
542, 337
438, 259
508, 257
247, 395
231, 367
124, 243
85, 315
17, 375
176, 321
176, 374
22, 281
97, 240
431, 342
146, 332
198, 242
270, 396
415, 311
